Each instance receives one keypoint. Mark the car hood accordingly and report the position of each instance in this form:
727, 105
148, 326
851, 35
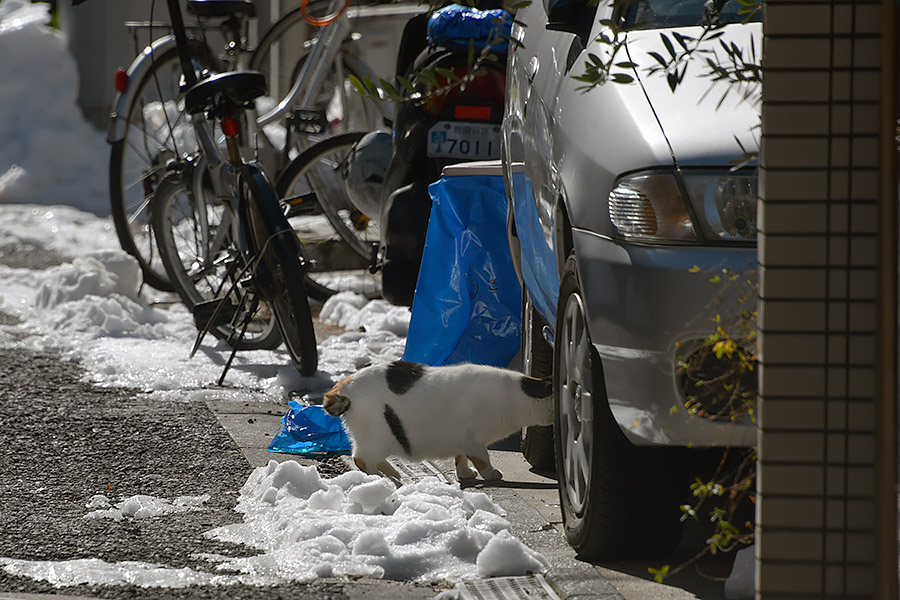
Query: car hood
698, 128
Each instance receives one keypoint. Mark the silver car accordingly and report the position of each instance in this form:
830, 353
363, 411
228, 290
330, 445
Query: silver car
628, 201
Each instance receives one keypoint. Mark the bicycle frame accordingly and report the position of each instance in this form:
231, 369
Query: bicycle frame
321, 56
323, 53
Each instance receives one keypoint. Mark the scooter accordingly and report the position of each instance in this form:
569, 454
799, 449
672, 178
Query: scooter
460, 124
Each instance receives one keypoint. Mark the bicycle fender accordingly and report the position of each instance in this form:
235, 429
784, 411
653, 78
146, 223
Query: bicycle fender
137, 70
267, 201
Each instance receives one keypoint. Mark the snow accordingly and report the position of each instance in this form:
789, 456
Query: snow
363, 525
141, 506
49, 153
93, 310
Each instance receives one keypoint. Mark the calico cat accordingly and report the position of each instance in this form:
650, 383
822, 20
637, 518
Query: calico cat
418, 412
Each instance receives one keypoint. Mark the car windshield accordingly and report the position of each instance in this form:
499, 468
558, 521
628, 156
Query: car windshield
660, 14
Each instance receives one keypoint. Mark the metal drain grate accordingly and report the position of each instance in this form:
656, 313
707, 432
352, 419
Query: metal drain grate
529, 587
417, 471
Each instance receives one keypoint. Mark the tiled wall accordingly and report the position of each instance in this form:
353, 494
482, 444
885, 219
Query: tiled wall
818, 251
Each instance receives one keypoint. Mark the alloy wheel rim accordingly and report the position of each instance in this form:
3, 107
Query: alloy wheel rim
575, 405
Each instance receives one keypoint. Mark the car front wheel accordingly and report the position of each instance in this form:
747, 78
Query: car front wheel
619, 501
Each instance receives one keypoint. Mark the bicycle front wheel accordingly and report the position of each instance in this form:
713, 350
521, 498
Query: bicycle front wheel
156, 130
338, 238
279, 270
198, 250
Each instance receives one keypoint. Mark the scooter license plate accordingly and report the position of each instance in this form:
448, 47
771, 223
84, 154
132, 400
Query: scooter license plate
464, 139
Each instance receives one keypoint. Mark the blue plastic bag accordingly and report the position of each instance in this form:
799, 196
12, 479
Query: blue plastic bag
454, 26
467, 306
310, 430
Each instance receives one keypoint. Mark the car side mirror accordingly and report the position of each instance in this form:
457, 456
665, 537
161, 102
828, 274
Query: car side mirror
572, 16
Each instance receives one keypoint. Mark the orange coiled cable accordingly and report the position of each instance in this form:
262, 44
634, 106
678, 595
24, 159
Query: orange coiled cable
321, 21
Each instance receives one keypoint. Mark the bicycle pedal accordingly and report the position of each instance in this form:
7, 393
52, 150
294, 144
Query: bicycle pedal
308, 120
209, 314
303, 205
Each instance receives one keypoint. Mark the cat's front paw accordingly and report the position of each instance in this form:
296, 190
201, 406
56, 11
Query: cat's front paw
491, 475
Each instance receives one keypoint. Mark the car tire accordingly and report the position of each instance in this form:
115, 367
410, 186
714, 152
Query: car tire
619, 501
537, 361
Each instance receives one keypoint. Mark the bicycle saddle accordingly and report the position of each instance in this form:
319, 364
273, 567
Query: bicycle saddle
221, 8
239, 87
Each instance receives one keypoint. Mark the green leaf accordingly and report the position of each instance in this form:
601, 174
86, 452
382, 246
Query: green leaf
447, 74
621, 78
372, 88
358, 85
668, 44
405, 83
660, 573
672, 78
658, 58
387, 87
682, 39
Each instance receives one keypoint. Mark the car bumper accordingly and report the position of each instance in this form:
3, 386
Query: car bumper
645, 305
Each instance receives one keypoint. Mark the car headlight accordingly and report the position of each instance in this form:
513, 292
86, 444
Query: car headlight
649, 206
665, 206
725, 203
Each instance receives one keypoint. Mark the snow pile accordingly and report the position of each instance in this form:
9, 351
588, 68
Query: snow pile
94, 571
92, 310
353, 312
362, 525
50, 154
141, 506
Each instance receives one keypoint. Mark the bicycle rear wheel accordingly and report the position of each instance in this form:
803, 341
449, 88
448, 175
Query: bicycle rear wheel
279, 270
198, 251
338, 238
156, 130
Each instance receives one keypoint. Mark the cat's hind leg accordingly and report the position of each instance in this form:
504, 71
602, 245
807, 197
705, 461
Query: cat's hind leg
463, 470
388, 469
482, 462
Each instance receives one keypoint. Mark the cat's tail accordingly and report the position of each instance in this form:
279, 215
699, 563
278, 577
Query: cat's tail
334, 403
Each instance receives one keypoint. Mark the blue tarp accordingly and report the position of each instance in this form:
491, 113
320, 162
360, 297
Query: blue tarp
310, 430
467, 306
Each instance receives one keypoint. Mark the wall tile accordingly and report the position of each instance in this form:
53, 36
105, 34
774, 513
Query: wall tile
793, 513
789, 579
793, 185
791, 479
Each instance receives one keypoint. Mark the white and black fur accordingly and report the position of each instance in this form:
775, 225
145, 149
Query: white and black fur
417, 412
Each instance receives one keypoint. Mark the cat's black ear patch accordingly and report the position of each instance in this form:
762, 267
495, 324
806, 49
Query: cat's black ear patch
537, 388
396, 426
403, 375
335, 404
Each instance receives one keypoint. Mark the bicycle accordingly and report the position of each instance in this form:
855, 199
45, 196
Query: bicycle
148, 127
317, 178
263, 268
